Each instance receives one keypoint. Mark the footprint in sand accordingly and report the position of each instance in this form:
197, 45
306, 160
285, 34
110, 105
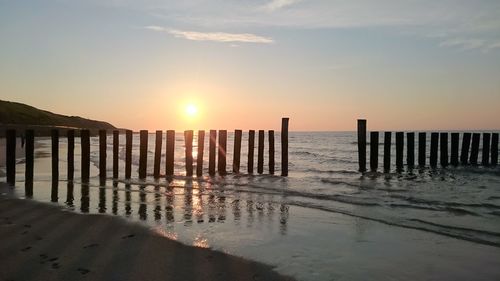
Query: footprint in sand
128, 236
83, 271
26, 249
91, 246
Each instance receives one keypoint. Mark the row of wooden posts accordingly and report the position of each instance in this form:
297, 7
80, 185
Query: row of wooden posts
439, 141
143, 150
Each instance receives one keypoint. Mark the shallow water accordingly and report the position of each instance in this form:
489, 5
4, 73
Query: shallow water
326, 221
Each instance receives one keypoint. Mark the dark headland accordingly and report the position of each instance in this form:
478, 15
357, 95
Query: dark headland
19, 116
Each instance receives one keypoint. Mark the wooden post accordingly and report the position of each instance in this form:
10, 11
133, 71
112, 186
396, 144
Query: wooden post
422, 146
116, 152
169, 154
237, 151
284, 146
444, 149
362, 145
474, 153
143, 153
212, 145
251, 144
11, 156
464, 157
387, 151
30, 153
271, 152
486, 149
494, 149
157, 159
455, 138
102, 154
199, 158
55, 154
400, 136
434, 149
221, 161
188, 144
374, 151
410, 152
260, 153
70, 134
128, 154
85, 150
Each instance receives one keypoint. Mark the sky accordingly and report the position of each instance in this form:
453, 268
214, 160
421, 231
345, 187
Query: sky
245, 64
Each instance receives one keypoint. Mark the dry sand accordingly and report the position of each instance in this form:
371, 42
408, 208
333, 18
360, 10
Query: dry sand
44, 242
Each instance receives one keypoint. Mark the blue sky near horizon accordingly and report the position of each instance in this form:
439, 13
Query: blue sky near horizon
403, 64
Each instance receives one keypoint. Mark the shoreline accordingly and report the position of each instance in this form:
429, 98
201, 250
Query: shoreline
44, 242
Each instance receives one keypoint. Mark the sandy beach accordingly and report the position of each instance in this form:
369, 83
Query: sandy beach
43, 242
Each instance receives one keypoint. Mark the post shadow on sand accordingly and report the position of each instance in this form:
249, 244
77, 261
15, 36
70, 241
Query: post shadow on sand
85, 198
70, 194
128, 198
143, 209
116, 198
157, 209
102, 196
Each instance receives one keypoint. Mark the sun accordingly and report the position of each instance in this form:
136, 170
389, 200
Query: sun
191, 110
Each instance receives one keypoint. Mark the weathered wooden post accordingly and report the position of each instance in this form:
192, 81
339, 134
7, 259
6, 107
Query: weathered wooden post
157, 159
271, 152
374, 151
70, 134
237, 151
55, 154
455, 138
444, 149
251, 144
422, 146
464, 157
486, 149
128, 154
11, 156
494, 149
474, 153
169, 153
30, 153
284, 146
387, 151
221, 161
362, 145
188, 144
143, 153
116, 152
85, 150
260, 153
102, 153
410, 152
400, 136
212, 145
199, 156
434, 149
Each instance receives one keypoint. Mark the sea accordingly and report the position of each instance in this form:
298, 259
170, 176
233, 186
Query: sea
325, 221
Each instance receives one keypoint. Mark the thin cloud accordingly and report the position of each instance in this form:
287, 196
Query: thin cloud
466, 44
213, 36
278, 4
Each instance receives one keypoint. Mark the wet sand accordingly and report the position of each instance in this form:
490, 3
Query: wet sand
44, 242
